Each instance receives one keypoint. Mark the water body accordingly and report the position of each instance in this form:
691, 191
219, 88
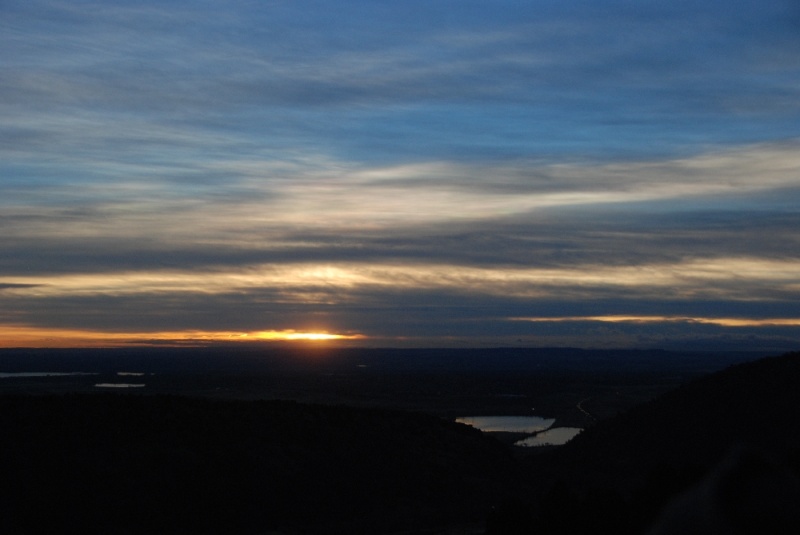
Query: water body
119, 385
508, 424
555, 436
542, 432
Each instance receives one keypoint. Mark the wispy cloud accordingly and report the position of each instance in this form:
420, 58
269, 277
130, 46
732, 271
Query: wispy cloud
264, 205
8, 286
450, 163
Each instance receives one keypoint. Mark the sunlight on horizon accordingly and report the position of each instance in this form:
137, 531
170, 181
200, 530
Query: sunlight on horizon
42, 337
724, 322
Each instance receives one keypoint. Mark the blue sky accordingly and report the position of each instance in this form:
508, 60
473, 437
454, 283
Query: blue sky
611, 173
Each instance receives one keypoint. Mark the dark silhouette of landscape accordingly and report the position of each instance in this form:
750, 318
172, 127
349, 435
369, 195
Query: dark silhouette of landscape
280, 440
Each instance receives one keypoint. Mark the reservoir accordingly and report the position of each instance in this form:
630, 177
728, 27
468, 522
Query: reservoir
508, 424
541, 430
555, 436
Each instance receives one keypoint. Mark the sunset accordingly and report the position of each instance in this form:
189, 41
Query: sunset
337, 267
414, 174
42, 337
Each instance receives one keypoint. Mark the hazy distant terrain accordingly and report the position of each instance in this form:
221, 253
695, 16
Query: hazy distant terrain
447, 382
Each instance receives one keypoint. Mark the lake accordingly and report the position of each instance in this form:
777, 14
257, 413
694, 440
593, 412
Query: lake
540, 428
556, 436
508, 424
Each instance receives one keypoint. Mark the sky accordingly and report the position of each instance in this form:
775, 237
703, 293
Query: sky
418, 173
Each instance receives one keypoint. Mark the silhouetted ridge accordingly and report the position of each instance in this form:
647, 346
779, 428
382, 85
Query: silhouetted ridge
755, 404
134, 464
617, 476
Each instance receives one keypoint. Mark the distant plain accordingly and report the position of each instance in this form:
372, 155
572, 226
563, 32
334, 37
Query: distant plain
576, 387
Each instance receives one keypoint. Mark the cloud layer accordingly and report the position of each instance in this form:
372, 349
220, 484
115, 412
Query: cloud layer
413, 173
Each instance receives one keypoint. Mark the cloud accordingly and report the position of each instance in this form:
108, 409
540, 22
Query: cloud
279, 160
311, 285
14, 286
280, 64
319, 211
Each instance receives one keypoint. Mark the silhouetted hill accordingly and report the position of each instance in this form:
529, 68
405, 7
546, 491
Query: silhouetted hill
163, 464
755, 404
616, 476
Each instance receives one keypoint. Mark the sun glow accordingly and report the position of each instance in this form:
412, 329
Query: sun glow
295, 335
28, 336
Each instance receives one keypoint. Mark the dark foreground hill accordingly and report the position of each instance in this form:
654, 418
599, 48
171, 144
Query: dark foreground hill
161, 464
735, 434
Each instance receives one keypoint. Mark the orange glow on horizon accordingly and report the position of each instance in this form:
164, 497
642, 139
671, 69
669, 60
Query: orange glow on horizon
724, 322
294, 335
42, 337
